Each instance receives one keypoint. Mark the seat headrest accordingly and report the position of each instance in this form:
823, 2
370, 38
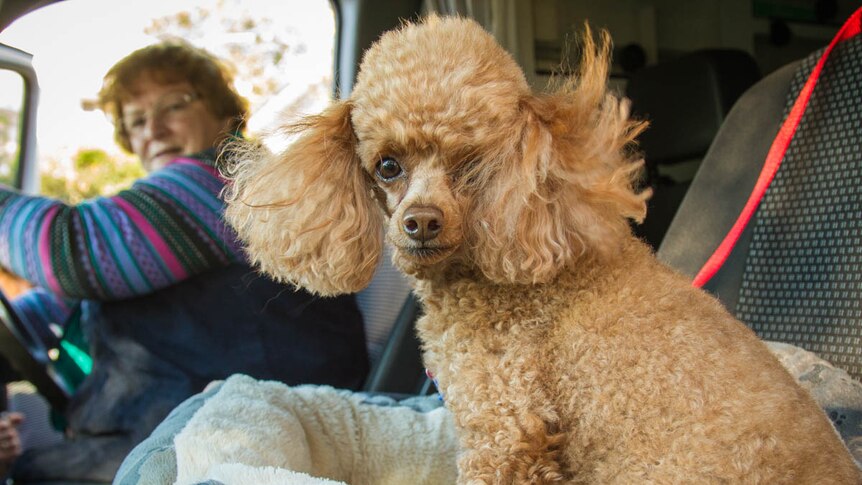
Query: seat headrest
686, 100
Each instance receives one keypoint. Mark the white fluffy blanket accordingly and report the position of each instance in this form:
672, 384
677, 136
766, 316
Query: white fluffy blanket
262, 433
258, 432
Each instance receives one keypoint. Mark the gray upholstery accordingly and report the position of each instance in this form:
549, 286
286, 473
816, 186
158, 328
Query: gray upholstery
792, 276
722, 184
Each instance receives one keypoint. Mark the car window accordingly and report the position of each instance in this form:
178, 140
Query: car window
11, 111
282, 57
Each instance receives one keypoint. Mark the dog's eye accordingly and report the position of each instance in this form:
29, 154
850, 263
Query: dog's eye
388, 169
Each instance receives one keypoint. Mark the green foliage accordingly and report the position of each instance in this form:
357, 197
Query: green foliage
8, 169
8, 137
258, 48
89, 173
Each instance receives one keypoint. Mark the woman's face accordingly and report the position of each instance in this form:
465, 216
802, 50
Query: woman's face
167, 120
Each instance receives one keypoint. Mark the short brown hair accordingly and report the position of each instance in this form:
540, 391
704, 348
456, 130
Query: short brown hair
173, 61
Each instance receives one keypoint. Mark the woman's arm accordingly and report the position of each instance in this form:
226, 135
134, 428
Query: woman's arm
165, 228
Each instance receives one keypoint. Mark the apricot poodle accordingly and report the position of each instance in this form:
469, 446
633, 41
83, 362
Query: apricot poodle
566, 352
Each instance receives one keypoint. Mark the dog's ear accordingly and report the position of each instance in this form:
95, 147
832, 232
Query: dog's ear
307, 216
569, 187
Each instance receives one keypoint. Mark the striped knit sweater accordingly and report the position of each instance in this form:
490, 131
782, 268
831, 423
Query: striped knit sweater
167, 227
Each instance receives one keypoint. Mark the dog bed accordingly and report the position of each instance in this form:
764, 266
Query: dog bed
244, 431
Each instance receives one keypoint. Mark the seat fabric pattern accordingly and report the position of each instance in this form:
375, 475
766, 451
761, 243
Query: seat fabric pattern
803, 278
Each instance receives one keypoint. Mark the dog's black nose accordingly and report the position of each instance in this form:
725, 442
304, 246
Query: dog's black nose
422, 223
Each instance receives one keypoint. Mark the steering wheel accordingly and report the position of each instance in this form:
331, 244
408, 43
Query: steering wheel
29, 355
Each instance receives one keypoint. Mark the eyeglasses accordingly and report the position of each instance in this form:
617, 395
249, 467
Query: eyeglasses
166, 108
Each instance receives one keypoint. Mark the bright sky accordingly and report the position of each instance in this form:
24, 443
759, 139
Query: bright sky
76, 41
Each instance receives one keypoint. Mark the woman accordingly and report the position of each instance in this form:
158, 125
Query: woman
167, 300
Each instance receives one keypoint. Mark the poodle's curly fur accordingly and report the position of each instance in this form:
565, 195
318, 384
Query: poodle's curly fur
566, 352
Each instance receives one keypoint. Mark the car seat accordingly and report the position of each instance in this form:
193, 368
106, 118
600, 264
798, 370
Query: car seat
685, 100
794, 273
390, 310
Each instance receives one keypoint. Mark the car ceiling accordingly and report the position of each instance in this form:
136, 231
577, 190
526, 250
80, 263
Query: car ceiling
12, 9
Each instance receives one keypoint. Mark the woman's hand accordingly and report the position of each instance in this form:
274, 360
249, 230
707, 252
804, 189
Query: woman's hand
12, 285
10, 440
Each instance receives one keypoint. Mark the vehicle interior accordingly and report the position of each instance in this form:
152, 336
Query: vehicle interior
713, 79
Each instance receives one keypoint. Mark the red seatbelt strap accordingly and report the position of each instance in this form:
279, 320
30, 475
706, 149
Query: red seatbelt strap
852, 27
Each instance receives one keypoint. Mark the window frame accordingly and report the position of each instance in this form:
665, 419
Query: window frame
20, 62
358, 24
